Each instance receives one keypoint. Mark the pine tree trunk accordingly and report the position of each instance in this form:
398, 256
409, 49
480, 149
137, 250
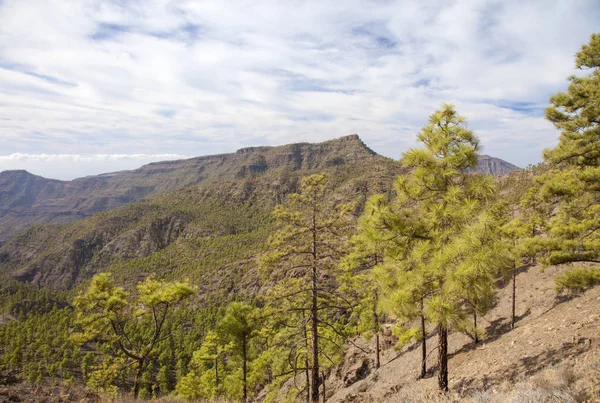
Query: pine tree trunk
217, 372
377, 351
323, 383
306, 364
475, 335
514, 296
423, 345
376, 330
443, 358
314, 318
138, 379
315, 342
244, 370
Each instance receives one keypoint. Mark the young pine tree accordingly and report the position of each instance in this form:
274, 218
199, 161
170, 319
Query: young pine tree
236, 330
105, 313
368, 248
207, 370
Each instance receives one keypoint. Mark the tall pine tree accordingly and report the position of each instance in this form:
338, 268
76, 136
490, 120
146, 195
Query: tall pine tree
303, 258
446, 250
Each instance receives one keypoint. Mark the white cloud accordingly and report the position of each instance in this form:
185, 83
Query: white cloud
188, 77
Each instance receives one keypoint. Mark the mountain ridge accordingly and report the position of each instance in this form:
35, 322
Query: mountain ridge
27, 199
229, 203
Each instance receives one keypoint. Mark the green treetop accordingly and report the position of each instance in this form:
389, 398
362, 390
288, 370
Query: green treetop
368, 248
236, 329
106, 312
203, 381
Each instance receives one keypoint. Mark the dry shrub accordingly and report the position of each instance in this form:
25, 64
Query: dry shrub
532, 394
417, 395
557, 378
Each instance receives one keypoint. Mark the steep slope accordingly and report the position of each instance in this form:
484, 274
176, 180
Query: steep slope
26, 199
553, 348
218, 225
19, 190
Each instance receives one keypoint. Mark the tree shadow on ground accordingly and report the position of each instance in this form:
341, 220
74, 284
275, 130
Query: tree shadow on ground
493, 332
525, 367
505, 281
417, 345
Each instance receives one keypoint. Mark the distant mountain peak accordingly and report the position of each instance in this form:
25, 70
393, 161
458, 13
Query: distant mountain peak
21, 175
16, 172
248, 150
494, 166
350, 137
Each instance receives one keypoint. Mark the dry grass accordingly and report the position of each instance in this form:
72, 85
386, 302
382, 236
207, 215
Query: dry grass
557, 384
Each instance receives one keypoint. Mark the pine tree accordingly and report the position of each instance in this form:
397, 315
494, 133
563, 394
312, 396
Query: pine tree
368, 248
304, 254
572, 178
104, 312
236, 329
446, 253
204, 380
520, 234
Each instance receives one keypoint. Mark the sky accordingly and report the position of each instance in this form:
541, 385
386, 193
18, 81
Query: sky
92, 86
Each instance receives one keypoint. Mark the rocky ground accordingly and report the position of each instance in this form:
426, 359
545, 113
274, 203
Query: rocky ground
553, 349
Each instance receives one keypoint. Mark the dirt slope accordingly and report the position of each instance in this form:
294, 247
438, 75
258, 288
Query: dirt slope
554, 345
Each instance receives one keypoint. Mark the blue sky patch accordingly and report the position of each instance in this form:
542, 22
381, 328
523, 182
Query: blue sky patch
105, 31
529, 108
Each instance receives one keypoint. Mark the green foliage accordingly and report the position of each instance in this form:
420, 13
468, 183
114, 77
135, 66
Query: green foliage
577, 114
576, 281
570, 184
104, 313
37, 344
202, 381
446, 242
222, 366
304, 303
236, 330
445, 248
357, 278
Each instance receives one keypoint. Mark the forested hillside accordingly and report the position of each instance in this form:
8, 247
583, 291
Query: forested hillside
233, 208
265, 279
